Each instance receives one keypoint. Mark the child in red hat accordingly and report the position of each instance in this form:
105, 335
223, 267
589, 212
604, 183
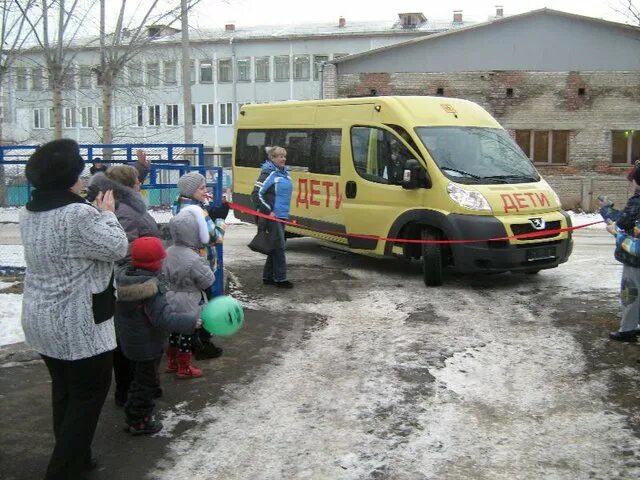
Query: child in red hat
143, 318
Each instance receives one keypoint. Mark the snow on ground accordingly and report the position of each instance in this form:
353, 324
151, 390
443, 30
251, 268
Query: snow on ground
505, 397
10, 310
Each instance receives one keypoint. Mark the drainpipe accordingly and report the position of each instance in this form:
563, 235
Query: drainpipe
322, 80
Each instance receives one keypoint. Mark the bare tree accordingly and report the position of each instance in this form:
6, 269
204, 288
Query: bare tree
630, 9
126, 42
55, 34
13, 35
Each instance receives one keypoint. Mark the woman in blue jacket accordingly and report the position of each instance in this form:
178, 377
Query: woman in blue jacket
272, 196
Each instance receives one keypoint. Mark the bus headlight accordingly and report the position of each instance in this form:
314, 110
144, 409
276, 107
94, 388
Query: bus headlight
471, 199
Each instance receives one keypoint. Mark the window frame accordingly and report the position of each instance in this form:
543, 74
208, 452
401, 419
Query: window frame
207, 110
550, 148
225, 70
278, 62
205, 69
154, 118
302, 62
225, 112
166, 68
247, 62
86, 117
172, 112
317, 64
257, 69
152, 71
38, 119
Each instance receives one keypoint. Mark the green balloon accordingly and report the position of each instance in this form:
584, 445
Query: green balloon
222, 316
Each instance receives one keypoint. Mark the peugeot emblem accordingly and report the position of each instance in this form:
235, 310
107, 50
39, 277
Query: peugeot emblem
537, 223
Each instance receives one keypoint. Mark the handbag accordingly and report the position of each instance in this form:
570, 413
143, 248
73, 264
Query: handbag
265, 240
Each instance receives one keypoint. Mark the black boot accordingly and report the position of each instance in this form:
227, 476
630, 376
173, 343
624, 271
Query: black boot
628, 336
203, 348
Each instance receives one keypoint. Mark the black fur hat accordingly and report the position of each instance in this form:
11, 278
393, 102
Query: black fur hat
55, 165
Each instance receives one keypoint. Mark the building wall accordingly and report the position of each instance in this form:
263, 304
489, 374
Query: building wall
19, 104
538, 101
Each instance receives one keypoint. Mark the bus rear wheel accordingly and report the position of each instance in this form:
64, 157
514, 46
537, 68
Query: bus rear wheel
431, 258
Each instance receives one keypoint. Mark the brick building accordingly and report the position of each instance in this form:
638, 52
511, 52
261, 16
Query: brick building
567, 87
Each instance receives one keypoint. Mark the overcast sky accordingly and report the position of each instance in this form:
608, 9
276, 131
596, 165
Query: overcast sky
215, 13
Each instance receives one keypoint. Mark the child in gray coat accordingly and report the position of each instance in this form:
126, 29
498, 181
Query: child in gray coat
188, 276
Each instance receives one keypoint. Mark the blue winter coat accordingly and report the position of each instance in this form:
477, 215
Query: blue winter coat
625, 220
272, 191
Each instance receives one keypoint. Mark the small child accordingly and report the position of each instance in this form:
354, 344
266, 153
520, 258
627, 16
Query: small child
193, 191
144, 316
188, 276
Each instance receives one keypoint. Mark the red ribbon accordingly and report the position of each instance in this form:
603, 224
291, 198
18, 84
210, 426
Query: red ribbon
543, 233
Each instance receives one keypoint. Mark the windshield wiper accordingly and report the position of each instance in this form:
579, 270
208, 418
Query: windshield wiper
512, 177
461, 172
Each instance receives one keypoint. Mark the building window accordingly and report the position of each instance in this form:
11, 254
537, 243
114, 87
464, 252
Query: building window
440, 91
544, 146
582, 91
625, 146
206, 71
193, 114
226, 114
509, 92
37, 78
154, 115
301, 67
153, 74
139, 116
100, 113
69, 117
21, 78
85, 76
38, 118
52, 118
224, 70
86, 116
263, 69
135, 74
206, 114
281, 65
170, 76
192, 72
172, 115
318, 60
244, 69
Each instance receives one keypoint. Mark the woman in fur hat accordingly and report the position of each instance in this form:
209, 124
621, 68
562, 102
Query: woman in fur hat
68, 302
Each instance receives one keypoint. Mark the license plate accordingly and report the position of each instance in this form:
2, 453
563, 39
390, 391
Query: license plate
543, 253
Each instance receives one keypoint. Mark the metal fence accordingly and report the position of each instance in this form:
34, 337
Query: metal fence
168, 163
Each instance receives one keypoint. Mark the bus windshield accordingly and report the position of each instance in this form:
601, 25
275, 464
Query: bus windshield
477, 155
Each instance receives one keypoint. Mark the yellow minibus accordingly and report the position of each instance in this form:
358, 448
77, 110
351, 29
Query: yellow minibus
407, 167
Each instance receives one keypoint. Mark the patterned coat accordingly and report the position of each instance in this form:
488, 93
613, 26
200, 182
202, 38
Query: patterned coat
625, 221
69, 253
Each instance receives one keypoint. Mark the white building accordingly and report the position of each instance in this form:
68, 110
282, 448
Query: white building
229, 68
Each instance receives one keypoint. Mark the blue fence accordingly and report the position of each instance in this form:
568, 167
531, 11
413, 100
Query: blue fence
168, 163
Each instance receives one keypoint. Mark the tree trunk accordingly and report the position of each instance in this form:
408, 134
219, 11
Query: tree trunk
3, 185
186, 74
57, 109
107, 107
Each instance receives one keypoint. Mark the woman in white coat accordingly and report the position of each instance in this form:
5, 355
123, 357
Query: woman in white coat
67, 312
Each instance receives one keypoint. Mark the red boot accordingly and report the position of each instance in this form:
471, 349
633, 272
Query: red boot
185, 369
172, 359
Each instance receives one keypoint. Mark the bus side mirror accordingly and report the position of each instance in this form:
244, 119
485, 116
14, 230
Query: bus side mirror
411, 174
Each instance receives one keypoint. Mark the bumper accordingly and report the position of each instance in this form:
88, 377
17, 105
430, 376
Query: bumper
502, 256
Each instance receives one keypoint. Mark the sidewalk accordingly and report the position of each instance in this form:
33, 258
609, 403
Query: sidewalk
25, 411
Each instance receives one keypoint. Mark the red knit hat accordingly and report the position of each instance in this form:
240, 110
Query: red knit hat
147, 253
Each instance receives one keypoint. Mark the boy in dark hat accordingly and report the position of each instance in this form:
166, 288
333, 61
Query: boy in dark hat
621, 224
143, 319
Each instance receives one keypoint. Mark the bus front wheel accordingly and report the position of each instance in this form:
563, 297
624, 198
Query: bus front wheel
431, 259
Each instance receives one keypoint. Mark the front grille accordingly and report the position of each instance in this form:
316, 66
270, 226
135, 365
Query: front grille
522, 228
